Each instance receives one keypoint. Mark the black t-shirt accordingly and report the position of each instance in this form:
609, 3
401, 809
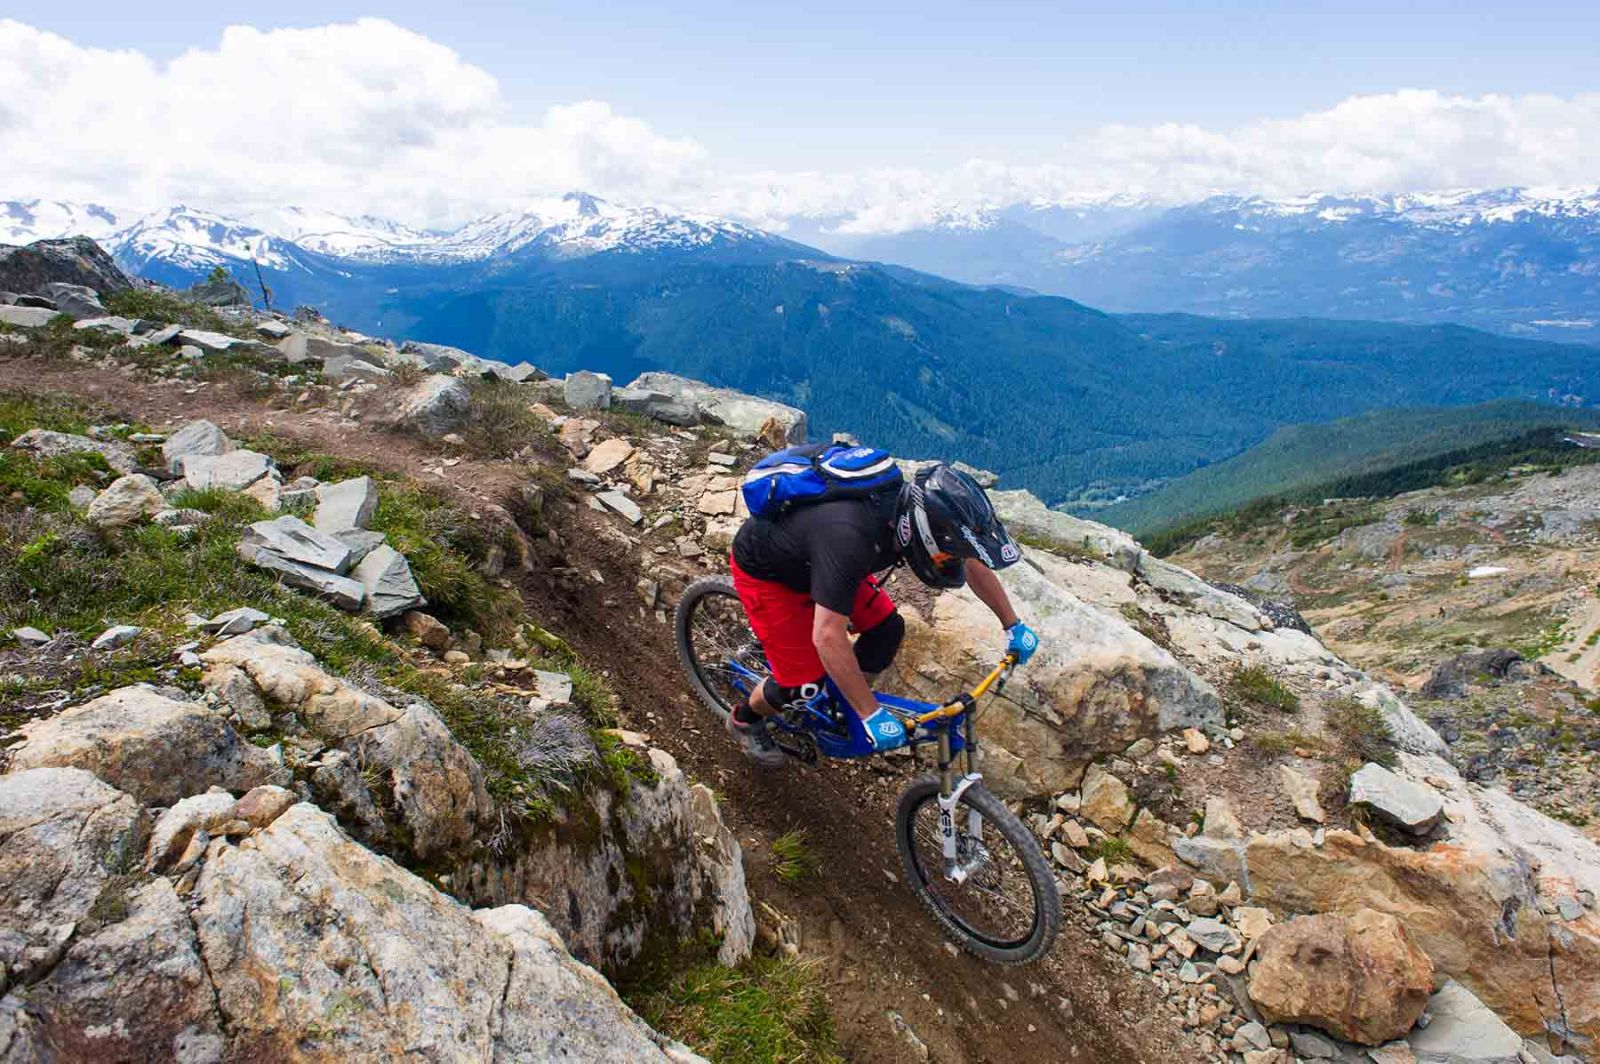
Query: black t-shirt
825, 549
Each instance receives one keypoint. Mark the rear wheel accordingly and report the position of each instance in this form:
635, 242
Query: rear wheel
1000, 901
711, 632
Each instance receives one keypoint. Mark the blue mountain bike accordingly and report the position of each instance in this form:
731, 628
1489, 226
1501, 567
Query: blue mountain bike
971, 861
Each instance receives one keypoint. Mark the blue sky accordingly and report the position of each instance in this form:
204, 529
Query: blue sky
876, 116
829, 84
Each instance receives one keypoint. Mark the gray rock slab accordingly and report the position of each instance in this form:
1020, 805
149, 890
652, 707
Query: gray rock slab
77, 300
272, 329
522, 371
206, 340
46, 444
345, 505
1412, 806
387, 584
744, 414
293, 539
231, 471
587, 391
196, 438
165, 335
435, 406
360, 541
30, 637
657, 405
622, 505
1463, 1030
109, 324
235, 621
1211, 933
351, 368
340, 590
27, 317
1312, 1046
118, 635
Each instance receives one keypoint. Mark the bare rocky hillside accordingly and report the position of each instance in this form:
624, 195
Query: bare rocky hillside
349, 669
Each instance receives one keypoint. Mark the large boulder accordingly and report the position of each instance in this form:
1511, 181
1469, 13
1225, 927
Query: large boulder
46, 444
281, 919
434, 786
744, 414
74, 260
1095, 686
1474, 902
435, 406
79, 301
1359, 977
133, 988
64, 835
1029, 519
664, 866
154, 747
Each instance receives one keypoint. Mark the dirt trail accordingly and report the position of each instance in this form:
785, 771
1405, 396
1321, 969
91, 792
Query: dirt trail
1583, 625
879, 949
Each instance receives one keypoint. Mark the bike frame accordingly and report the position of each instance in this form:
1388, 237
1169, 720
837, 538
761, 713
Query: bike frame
950, 726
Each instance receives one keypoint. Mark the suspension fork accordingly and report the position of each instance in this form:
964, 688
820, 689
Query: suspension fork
951, 788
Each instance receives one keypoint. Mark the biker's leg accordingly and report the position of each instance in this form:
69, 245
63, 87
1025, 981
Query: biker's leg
877, 646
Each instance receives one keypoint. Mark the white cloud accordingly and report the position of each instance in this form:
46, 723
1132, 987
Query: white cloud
370, 118
364, 117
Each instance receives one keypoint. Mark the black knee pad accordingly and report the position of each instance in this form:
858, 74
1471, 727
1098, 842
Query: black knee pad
780, 697
877, 646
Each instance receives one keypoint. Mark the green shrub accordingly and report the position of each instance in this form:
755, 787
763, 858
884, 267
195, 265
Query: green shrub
1362, 732
1113, 850
166, 307
792, 857
766, 1010
500, 422
1253, 683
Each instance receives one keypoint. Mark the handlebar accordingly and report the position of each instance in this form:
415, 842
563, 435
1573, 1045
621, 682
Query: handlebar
963, 702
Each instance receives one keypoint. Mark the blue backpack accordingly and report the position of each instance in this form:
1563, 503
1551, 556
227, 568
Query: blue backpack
817, 472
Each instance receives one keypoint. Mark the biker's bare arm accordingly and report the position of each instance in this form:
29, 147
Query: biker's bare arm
830, 631
986, 585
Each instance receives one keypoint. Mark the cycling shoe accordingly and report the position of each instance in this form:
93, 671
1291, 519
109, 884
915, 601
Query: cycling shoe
755, 740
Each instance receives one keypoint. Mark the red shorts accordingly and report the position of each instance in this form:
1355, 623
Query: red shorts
782, 619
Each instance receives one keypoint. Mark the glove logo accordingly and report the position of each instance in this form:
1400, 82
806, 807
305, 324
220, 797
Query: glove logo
888, 729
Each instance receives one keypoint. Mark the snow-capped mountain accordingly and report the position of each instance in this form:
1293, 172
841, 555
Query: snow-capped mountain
24, 221
365, 237
187, 238
184, 238
1512, 260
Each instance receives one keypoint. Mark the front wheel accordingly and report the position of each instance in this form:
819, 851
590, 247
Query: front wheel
998, 899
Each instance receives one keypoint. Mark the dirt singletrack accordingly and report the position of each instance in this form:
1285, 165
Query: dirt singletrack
878, 948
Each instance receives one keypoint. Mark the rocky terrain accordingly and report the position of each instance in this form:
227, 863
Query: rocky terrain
274, 780
1479, 599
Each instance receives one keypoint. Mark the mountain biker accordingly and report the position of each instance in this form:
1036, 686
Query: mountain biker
806, 580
